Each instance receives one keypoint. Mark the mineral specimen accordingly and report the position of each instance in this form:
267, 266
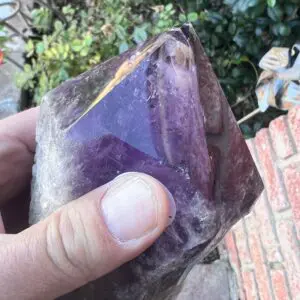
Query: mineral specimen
157, 109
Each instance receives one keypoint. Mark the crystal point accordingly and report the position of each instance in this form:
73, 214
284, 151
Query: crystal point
157, 109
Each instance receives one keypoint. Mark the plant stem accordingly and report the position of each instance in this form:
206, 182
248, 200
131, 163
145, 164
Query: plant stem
249, 116
254, 68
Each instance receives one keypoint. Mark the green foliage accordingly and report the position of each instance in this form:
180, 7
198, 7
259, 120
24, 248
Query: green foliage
64, 50
164, 18
4, 38
235, 36
236, 41
244, 5
42, 19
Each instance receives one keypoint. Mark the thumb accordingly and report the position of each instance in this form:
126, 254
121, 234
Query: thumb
85, 239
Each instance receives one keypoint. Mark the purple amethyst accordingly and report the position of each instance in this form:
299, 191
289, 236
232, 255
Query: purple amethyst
157, 109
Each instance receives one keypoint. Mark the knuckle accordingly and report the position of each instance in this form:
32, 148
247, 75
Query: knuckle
67, 245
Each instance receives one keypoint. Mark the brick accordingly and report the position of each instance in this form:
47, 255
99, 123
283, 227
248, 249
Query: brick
272, 181
280, 137
241, 244
294, 123
232, 250
266, 231
234, 258
251, 146
292, 182
279, 285
249, 286
260, 268
291, 253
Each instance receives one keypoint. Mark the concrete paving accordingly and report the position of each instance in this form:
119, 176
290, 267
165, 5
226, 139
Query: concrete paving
213, 281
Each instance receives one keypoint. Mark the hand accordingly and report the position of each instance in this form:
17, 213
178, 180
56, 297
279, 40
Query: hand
80, 242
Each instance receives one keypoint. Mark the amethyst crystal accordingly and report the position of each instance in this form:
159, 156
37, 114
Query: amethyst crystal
157, 109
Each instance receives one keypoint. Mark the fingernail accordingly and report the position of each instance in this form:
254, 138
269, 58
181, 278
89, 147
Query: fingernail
130, 207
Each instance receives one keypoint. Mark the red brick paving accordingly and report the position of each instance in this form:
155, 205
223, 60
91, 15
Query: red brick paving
264, 248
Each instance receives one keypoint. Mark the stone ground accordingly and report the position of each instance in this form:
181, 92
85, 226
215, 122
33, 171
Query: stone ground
264, 247
214, 281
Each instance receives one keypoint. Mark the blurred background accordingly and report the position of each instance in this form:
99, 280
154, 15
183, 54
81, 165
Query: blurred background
45, 42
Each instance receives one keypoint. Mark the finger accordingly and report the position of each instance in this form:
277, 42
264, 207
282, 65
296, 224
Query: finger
21, 127
17, 144
86, 239
6, 238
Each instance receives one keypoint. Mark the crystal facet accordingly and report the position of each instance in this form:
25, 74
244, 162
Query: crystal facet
157, 109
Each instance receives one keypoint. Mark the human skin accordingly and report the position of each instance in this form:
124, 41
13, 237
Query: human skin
80, 242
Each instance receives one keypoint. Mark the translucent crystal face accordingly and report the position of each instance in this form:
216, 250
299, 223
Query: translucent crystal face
157, 109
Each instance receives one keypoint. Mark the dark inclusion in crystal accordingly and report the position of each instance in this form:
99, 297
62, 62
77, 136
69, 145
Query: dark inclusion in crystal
157, 109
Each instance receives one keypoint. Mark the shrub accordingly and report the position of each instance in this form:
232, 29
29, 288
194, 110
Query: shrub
237, 41
235, 37
235, 34
64, 49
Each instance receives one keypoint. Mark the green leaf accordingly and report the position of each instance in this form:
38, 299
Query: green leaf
46, 42
271, 3
84, 52
121, 32
289, 8
252, 48
192, 17
65, 9
215, 40
27, 68
76, 45
241, 38
139, 35
232, 28
214, 17
63, 74
182, 18
202, 16
257, 11
39, 48
29, 48
58, 25
244, 58
219, 29
284, 30
275, 13
123, 47
160, 23
236, 73
68, 10
275, 29
241, 5
169, 7
88, 40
